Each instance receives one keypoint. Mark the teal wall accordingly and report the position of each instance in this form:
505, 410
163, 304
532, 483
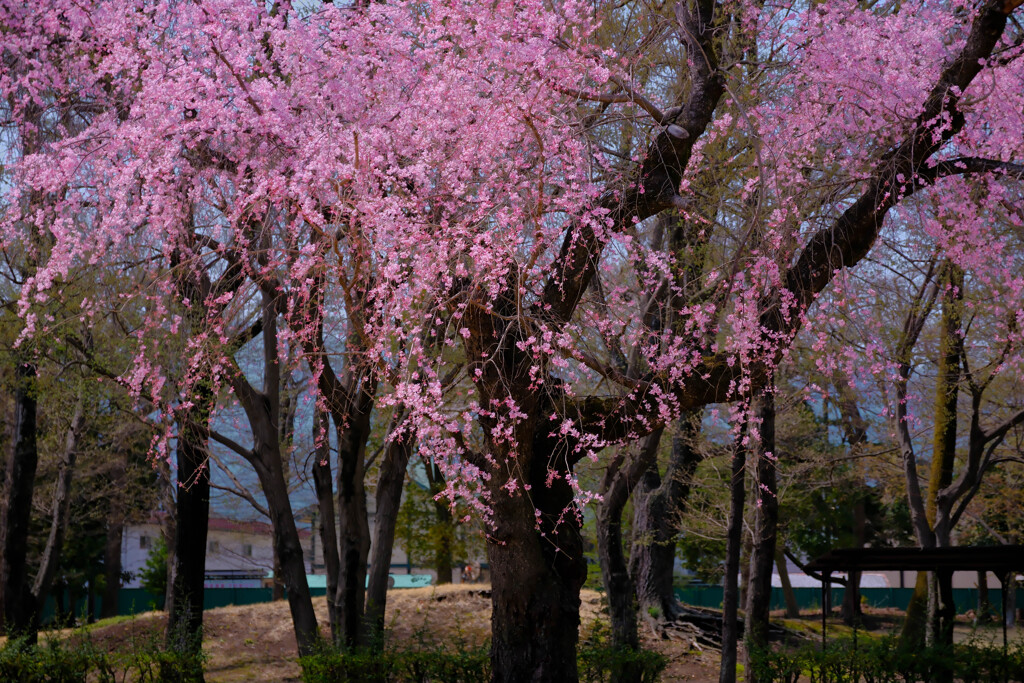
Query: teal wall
136, 600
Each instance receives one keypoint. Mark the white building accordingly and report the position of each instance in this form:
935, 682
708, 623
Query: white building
238, 554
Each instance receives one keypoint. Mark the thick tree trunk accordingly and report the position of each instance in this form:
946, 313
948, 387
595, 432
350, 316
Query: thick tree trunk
15, 603
730, 592
766, 522
389, 499
61, 509
536, 577
657, 506
792, 606
192, 514
353, 519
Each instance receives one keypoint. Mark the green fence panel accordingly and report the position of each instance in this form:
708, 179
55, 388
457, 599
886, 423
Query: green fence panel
966, 599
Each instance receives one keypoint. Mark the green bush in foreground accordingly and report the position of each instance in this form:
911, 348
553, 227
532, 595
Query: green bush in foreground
79, 661
885, 661
597, 664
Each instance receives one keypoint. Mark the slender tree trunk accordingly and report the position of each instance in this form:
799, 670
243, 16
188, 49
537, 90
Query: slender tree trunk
746, 550
855, 429
443, 561
324, 484
263, 411
389, 499
192, 514
112, 547
1010, 586
168, 526
657, 506
61, 509
851, 611
792, 606
766, 523
730, 592
984, 609
942, 612
15, 605
289, 549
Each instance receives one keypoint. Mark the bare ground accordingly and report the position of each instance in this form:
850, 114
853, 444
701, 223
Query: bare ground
256, 642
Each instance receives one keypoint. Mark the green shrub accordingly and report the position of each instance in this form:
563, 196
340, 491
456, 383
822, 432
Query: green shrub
50, 663
887, 661
79, 661
597, 664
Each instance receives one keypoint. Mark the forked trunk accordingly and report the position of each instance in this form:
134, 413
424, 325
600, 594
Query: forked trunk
621, 478
353, 519
657, 508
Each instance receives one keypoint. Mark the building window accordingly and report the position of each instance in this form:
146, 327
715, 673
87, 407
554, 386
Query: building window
144, 542
246, 550
214, 546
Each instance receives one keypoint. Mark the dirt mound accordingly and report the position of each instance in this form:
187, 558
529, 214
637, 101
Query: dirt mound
256, 642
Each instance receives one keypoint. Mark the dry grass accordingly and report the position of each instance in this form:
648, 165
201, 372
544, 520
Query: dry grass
256, 642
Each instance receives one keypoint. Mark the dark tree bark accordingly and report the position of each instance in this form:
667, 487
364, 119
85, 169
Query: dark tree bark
536, 574
263, 412
389, 498
766, 521
323, 482
15, 604
657, 506
984, 608
112, 548
192, 515
443, 561
850, 610
855, 430
621, 477
730, 592
353, 523
60, 512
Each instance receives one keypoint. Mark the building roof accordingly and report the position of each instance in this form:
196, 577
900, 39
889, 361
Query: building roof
254, 528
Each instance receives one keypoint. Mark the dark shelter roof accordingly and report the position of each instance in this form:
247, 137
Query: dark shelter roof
998, 559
